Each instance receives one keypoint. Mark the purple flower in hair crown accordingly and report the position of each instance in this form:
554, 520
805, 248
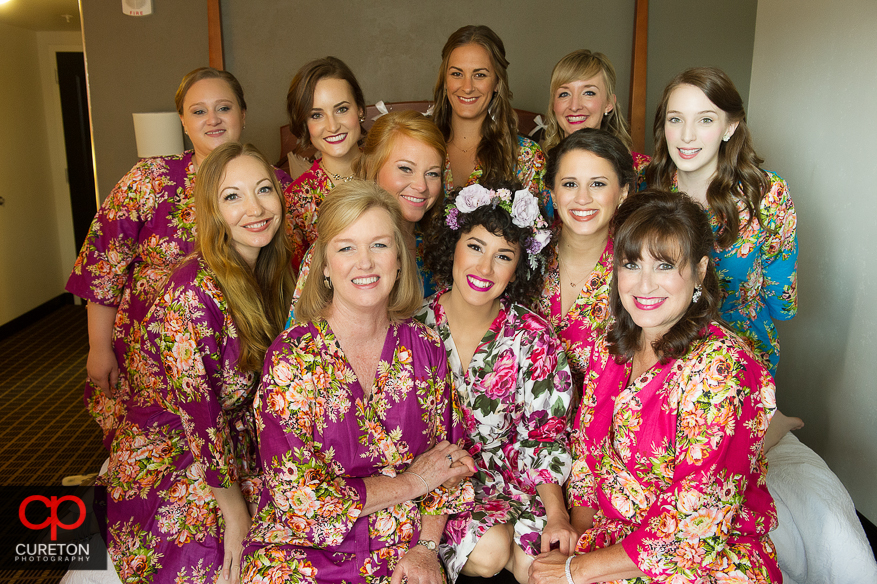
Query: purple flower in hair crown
522, 206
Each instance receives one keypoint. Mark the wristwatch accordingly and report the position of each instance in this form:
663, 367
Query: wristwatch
428, 544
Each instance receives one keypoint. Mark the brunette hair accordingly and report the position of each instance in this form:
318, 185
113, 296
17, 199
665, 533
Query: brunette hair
258, 298
578, 66
193, 77
441, 243
670, 227
600, 143
498, 149
300, 97
343, 206
738, 176
381, 139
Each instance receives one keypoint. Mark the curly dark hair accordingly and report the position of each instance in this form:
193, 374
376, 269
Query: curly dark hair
673, 228
441, 242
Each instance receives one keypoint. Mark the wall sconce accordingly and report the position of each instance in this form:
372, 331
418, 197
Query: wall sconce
158, 134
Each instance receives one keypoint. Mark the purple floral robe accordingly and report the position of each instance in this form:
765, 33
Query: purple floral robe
319, 437
144, 228
672, 462
515, 397
189, 426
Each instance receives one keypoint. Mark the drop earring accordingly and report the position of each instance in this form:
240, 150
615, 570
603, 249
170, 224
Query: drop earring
327, 282
696, 296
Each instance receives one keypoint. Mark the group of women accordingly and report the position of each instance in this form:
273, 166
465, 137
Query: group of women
582, 396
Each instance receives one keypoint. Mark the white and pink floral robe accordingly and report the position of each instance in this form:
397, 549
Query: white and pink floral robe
515, 397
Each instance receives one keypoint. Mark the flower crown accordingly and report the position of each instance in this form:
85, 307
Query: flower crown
522, 206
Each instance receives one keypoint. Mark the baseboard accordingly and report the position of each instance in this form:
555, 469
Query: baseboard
870, 532
31, 316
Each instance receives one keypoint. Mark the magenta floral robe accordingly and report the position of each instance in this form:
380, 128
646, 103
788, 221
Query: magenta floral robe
144, 228
588, 317
319, 437
515, 397
672, 461
188, 426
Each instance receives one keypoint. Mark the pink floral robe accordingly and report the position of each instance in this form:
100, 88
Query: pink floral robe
672, 462
304, 197
188, 426
319, 437
515, 397
588, 317
144, 228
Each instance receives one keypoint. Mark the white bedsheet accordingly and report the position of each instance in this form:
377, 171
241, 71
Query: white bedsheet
819, 539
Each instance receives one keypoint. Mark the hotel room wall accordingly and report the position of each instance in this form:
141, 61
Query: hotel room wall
813, 119
135, 64
28, 230
394, 47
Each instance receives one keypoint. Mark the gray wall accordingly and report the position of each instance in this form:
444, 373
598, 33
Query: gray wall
394, 47
812, 114
135, 65
698, 33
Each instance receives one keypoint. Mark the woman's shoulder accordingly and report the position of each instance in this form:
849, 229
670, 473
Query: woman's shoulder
528, 145
414, 329
312, 176
194, 283
720, 344
526, 322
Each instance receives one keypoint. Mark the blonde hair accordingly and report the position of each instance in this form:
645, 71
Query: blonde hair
257, 298
343, 206
578, 66
381, 139
196, 75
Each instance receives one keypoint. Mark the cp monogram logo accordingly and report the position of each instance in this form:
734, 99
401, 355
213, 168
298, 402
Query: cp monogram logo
52, 505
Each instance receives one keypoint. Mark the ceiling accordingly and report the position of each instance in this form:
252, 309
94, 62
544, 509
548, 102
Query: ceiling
41, 14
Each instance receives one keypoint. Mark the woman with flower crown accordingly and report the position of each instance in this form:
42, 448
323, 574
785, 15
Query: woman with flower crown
511, 376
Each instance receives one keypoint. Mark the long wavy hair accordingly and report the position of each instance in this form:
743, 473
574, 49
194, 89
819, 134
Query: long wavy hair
579, 66
257, 298
498, 149
343, 206
196, 75
738, 177
671, 227
300, 97
441, 244
381, 139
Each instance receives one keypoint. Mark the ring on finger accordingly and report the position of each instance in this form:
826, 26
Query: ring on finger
450, 460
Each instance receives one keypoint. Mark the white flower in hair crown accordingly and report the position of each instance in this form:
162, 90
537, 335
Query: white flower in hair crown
522, 206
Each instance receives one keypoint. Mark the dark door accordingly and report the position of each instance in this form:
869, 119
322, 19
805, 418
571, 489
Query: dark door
77, 139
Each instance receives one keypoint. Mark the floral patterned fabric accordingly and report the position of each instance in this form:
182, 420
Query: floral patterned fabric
304, 197
672, 462
320, 436
530, 170
515, 397
587, 318
144, 228
640, 162
759, 272
189, 426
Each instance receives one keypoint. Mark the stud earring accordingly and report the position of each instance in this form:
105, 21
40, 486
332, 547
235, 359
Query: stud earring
696, 296
726, 138
327, 282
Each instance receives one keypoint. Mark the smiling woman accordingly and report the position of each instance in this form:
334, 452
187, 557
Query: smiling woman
326, 107
182, 465
511, 376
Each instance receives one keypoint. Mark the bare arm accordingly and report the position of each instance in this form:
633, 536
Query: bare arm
432, 466
420, 565
102, 367
603, 565
237, 523
557, 529
582, 518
